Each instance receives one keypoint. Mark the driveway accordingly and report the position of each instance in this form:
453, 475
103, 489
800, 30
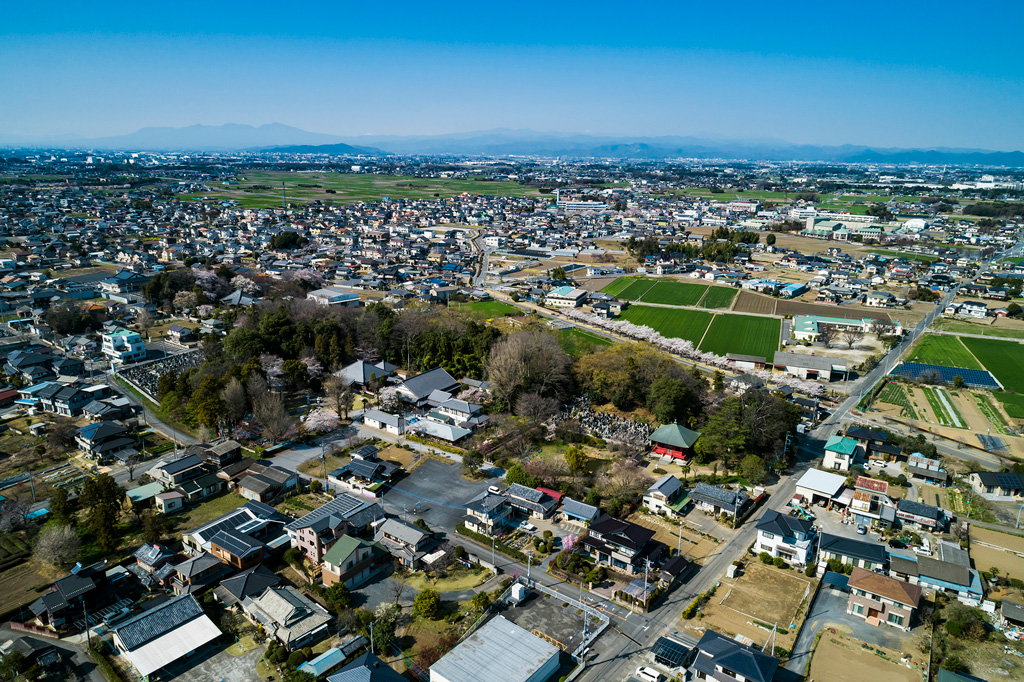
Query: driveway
84, 666
213, 664
440, 491
829, 609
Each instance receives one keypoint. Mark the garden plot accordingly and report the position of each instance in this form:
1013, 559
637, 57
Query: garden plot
753, 603
838, 658
992, 549
694, 545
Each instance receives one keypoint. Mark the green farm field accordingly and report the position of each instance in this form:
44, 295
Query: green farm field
1013, 403
1005, 359
945, 350
262, 189
490, 308
718, 297
577, 342
743, 334
618, 286
670, 322
636, 289
675, 293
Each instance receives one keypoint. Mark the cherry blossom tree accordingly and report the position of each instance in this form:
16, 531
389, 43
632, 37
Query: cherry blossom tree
272, 365
245, 285
388, 398
313, 366
322, 420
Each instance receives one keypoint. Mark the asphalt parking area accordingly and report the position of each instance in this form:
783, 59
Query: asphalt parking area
214, 664
829, 609
435, 492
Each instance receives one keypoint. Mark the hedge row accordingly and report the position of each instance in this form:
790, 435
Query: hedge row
439, 446
484, 540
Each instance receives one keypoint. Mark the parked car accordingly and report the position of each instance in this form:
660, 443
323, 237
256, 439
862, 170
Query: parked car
862, 530
494, 489
527, 526
897, 544
648, 674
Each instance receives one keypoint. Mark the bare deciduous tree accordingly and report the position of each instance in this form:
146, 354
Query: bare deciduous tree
268, 408
851, 336
527, 362
827, 334
57, 545
536, 407
131, 463
145, 322
339, 395
233, 395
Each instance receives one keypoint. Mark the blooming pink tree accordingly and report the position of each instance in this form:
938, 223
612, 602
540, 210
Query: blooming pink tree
313, 366
272, 365
388, 398
322, 420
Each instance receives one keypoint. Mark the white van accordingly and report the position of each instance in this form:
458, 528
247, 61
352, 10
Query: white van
648, 674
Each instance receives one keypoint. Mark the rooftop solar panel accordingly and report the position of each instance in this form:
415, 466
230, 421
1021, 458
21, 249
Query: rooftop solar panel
975, 378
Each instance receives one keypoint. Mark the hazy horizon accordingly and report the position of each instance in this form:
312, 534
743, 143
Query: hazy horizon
879, 75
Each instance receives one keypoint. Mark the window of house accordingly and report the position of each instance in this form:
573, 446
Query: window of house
858, 609
768, 536
896, 619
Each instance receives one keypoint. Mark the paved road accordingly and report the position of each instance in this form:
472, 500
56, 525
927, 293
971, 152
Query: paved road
168, 431
83, 664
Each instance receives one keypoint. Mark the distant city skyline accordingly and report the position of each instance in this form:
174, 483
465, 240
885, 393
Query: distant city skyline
875, 74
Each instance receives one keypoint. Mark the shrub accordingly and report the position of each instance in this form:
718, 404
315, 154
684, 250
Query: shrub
765, 558
811, 570
955, 628
691, 610
459, 551
780, 562
427, 604
296, 659
547, 534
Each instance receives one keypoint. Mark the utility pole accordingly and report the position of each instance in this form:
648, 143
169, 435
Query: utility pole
284, 204
88, 630
492, 554
529, 565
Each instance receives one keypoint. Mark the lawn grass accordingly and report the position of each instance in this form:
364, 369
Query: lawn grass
1013, 403
743, 334
944, 350
618, 286
458, 579
1004, 359
670, 322
205, 512
578, 342
490, 308
675, 293
718, 297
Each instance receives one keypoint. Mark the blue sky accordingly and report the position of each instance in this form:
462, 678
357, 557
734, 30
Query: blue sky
883, 74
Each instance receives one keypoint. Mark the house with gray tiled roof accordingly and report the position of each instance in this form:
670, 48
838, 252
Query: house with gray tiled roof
163, 634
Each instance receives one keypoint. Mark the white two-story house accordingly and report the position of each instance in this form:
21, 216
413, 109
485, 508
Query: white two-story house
666, 497
784, 536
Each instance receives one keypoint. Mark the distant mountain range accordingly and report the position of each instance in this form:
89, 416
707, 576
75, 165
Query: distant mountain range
280, 138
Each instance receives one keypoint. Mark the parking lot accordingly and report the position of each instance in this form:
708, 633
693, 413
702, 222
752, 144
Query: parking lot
214, 663
435, 492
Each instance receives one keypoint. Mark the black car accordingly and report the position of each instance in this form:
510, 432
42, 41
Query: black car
896, 544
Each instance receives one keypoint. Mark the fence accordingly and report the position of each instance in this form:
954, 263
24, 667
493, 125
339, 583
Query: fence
25, 627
